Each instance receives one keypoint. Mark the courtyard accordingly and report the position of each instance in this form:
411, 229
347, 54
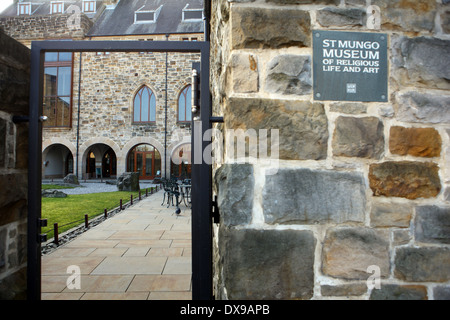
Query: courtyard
142, 253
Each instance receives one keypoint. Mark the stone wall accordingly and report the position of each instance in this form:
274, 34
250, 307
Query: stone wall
359, 207
108, 85
14, 93
46, 27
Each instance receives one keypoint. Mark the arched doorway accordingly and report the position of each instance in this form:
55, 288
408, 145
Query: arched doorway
146, 160
58, 162
100, 162
180, 164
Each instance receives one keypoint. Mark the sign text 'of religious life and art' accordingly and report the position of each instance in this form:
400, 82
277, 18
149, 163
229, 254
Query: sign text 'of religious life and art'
350, 66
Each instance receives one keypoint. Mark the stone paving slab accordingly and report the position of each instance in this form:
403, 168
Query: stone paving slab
142, 253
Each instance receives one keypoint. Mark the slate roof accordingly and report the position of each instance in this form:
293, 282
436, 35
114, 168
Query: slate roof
120, 20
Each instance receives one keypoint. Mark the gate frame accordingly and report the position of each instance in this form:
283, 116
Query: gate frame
201, 173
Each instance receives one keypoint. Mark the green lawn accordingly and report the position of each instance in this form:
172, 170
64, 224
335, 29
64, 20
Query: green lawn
65, 211
54, 186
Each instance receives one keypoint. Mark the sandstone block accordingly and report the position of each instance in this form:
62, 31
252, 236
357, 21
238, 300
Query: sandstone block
268, 264
358, 137
405, 179
399, 292
348, 252
432, 224
348, 107
384, 214
422, 264
268, 28
418, 142
244, 70
235, 183
302, 125
355, 289
409, 15
423, 107
401, 237
289, 74
313, 196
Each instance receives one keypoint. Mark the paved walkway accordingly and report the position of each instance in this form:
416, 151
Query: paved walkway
143, 253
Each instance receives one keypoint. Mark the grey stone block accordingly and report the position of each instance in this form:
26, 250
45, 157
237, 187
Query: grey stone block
128, 181
422, 264
328, 17
268, 264
289, 74
397, 292
313, 196
432, 224
441, 293
235, 183
267, 28
425, 60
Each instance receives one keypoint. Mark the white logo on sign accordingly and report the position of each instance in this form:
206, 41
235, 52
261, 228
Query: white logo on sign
351, 87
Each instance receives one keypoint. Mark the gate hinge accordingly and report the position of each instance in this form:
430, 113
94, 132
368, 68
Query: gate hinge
42, 222
215, 211
42, 237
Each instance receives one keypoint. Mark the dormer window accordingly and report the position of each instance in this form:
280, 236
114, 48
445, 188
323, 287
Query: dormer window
192, 14
89, 6
146, 14
56, 7
24, 8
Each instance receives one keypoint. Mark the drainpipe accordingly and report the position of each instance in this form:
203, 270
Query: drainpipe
206, 19
165, 123
78, 120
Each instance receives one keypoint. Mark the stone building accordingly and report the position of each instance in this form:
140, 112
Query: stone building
113, 112
359, 206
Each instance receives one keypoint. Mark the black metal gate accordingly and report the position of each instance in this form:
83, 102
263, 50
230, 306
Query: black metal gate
201, 171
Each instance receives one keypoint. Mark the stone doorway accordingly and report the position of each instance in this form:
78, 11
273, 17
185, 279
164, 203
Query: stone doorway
146, 160
57, 162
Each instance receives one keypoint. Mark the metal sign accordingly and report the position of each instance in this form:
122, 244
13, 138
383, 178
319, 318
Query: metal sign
350, 66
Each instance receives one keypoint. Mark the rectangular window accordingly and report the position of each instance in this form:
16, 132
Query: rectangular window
24, 8
146, 15
89, 6
56, 7
192, 14
58, 89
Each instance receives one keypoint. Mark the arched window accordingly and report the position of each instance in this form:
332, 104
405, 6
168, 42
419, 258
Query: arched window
184, 105
144, 105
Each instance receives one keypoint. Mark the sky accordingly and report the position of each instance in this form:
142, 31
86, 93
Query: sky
4, 4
